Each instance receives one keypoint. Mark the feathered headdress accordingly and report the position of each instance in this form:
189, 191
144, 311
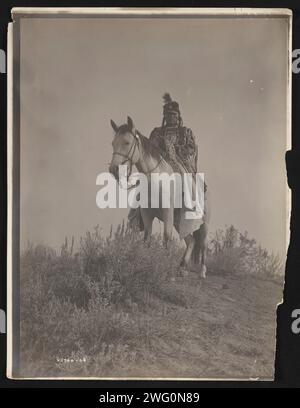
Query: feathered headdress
170, 105
167, 98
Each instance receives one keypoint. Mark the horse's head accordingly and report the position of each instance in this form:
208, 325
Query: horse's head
125, 147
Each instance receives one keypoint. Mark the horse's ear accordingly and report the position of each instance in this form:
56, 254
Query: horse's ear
114, 126
130, 124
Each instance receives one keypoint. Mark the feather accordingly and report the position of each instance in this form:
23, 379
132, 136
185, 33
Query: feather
167, 98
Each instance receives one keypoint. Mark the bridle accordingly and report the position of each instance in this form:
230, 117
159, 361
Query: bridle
129, 157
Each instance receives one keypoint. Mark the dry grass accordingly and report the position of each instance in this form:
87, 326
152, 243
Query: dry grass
111, 310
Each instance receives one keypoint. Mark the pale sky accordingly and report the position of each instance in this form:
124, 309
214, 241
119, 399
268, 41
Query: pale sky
229, 77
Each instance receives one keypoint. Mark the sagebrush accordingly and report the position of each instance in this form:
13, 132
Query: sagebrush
106, 301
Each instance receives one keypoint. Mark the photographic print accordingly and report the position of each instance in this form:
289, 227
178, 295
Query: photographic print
148, 204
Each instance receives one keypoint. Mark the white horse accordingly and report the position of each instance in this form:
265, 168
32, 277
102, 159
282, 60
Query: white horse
131, 148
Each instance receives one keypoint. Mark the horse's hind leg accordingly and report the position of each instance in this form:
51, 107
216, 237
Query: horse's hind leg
190, 242
203, 250
203, 262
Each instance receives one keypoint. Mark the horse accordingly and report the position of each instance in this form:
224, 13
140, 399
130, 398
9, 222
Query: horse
131, 148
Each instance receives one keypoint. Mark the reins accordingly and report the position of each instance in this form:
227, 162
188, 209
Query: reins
129, 157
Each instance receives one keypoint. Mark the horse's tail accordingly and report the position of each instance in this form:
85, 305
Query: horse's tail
196, 249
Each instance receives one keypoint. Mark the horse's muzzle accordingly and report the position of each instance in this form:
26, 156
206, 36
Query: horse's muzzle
114, 170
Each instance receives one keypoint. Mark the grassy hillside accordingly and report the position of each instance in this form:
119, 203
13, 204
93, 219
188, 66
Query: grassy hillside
111, 310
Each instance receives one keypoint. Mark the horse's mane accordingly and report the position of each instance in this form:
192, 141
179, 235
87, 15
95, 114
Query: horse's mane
148, 147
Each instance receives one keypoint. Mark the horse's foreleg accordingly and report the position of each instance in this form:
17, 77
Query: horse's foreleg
147, 234
168, 225
148, 221
167, 235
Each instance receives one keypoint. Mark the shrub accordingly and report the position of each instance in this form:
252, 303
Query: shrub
233, 252
101, 301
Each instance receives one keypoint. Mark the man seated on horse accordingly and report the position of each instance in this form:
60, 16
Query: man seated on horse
177, 145
175, 141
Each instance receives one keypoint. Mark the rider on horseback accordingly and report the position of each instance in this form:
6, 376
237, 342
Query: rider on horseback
177, 145
175, 141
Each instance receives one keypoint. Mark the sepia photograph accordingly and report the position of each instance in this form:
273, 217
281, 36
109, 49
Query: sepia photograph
148, 203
